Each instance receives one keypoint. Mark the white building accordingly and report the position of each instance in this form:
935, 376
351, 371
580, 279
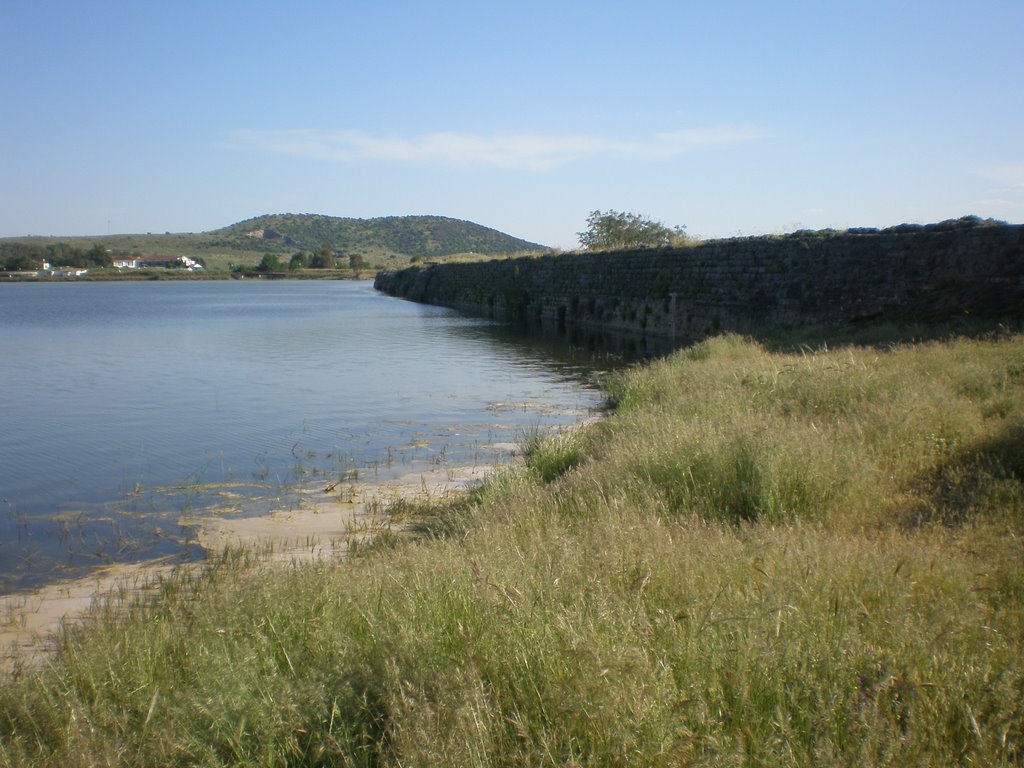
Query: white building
154, 262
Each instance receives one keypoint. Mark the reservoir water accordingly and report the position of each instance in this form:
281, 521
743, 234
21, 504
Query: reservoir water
128, 408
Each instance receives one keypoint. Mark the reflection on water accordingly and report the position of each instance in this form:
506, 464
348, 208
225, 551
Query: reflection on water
579, 350
128, 407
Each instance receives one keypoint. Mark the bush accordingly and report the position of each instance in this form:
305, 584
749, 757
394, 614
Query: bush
615, 229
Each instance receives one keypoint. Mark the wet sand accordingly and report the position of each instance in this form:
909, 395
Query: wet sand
322, 526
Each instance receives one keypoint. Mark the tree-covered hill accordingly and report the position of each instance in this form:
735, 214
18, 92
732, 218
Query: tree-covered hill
387, 242
423, 236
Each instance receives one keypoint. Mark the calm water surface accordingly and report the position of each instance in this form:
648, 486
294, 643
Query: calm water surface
128, 407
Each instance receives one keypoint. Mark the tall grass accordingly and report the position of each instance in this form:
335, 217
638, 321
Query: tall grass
759, 558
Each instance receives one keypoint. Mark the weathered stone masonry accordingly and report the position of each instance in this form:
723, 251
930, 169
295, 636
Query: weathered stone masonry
747, 285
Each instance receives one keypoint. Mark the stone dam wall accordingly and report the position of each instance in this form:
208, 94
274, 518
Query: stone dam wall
748, 285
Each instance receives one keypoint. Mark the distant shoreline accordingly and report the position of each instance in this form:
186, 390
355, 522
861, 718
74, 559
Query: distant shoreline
168, 275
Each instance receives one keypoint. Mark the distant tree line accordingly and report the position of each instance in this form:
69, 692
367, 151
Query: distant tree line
322, 258
16, 257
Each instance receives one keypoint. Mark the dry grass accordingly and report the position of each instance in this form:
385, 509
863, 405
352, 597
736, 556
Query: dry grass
760, 558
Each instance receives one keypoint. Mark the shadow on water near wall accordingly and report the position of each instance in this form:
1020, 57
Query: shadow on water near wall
576, 350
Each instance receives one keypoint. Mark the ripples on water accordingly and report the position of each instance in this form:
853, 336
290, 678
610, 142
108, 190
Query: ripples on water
127, 404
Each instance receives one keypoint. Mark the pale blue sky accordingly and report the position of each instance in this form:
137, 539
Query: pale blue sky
727, 117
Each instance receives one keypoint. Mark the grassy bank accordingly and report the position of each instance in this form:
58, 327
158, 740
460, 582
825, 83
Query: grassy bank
773, 558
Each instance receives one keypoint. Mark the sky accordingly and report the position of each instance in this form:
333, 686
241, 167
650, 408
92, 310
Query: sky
729, 118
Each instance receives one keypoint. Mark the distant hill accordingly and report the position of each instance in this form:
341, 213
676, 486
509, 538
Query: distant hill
389, 242
423, 236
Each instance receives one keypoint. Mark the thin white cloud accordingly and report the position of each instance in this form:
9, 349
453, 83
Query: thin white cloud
994, 205
1006, 196
1009, 176
531, 151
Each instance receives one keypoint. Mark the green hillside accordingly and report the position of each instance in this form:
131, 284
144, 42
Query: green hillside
390, 241
423, 236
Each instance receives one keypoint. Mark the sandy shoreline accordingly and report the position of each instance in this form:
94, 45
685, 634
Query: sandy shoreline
320, 528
